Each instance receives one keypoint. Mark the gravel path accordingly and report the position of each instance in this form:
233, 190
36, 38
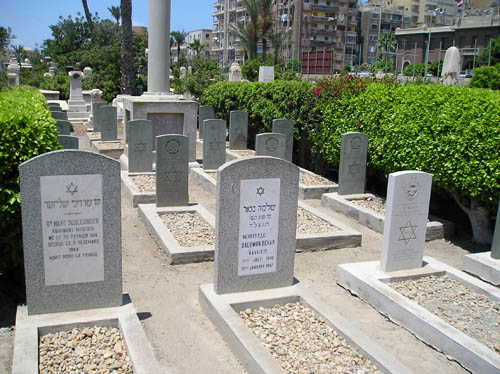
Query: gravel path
189, 229
82, 351
314, 180
376, 204
302, 342
308, 223
145, 183
462, 307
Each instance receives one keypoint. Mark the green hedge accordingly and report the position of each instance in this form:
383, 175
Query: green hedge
26, 130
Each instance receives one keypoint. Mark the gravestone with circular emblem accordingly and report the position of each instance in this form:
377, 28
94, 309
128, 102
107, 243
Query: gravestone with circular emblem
238, 130
270, 144
172, 169
352, 170
140, 147
408, 196
214, 143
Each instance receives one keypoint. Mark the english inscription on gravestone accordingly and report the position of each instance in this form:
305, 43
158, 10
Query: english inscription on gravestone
72, 228
259, 222
352, 171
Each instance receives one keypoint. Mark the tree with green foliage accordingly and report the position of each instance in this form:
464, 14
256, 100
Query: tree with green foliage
179, 38
6, 38
486, 77
90, 20
116, 13
127, 51
197, 47
265, 23
386, 44
19, 52
249, 33
491, 54
278, 39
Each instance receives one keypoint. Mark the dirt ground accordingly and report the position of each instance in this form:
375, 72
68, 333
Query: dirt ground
185, 341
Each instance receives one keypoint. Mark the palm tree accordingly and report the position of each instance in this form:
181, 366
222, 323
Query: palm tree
90, 21
116, 13
247, 40
179, 37
127, 52
19, 52
197, 47
385, 44
266, 23
278, 38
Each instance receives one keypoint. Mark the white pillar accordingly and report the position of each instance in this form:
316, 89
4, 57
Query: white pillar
159, 46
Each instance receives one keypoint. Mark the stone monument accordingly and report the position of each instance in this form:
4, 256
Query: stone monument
71, 231
256, 217
164, 109
270, 144
214, 144
408, 196
13, 73
140, 148
266, 73
190, 70
182, 72
451, 66
87, 72
352, 170
238, 130
206, 112
285, 127
235, 73
172, 170
76, 103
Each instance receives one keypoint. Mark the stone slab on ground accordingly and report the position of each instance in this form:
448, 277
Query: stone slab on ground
203, 179
437, 228
113, 149
223, 312
483, 266
308, 191
133, 193
366, 280
150, 215
28, 329
233, 154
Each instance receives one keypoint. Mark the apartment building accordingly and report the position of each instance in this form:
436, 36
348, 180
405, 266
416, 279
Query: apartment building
424, 11
205, 37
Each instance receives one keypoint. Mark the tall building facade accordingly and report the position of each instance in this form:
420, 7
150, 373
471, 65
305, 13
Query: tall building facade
205, 37
425, 12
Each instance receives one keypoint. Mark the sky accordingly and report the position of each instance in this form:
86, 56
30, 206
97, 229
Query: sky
30, 19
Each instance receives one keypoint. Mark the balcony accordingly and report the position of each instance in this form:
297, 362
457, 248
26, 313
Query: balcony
325, 7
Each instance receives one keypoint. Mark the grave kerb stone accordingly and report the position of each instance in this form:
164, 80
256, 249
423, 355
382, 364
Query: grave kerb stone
214, 144
77, 191
238, 130
256, 217
408, 197
285, 127
270, 144
352, 170
140, 147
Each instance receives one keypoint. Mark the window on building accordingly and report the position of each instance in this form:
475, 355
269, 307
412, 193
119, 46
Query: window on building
373, 38
445, 43
315, 14
371, 60
372, 49
326, 38
374, 15
351, 39
461, 42
374, 27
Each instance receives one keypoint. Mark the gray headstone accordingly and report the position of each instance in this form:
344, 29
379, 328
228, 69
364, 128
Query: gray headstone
238, 129
69, 142
97, 117
206, 112
352, 171
266, 73
214, 144
172, 170
285, 127
452, 66
53, 107
71, 217
109, 131
408, 196
140, 147
256, 217
270, 144
235, 72
495, 246
63, 127
166, 124
60, 115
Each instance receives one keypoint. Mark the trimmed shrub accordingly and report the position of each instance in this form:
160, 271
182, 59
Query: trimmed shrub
486, 77
26, 130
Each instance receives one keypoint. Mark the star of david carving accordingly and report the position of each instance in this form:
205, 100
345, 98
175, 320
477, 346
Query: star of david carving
408, 233
354, 168
260, 191
215, 145
173, 176
71, 189
140, 147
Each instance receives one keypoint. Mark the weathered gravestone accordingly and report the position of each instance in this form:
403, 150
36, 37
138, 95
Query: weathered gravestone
59, 115
214, 144
256, 219
172, 170
97, 117
140, 147
495, 246
63, 127
352, 171
69, 142
452, 66
285, 127
109, 131
266, 73
235, 72
71, 217
205, 112
238, 130
408, 196
270, 144
183, 71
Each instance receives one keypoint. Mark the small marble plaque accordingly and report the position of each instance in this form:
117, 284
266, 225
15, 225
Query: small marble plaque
259, 222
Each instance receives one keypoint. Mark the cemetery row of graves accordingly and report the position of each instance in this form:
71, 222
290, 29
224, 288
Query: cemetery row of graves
72, 231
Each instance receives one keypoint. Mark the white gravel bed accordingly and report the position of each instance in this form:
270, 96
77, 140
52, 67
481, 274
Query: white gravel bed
308, 223
189, 228
313, 180
244, 154
302, 343
377, 204
94, 135
82, 351
462, 307
145, 183
110, 145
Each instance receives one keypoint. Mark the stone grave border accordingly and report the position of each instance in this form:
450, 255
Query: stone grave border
201, 178
134, 195
116, 152
223, 310
28, 329
438, 228
483, 266
149, 214
365, 280
232, 154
